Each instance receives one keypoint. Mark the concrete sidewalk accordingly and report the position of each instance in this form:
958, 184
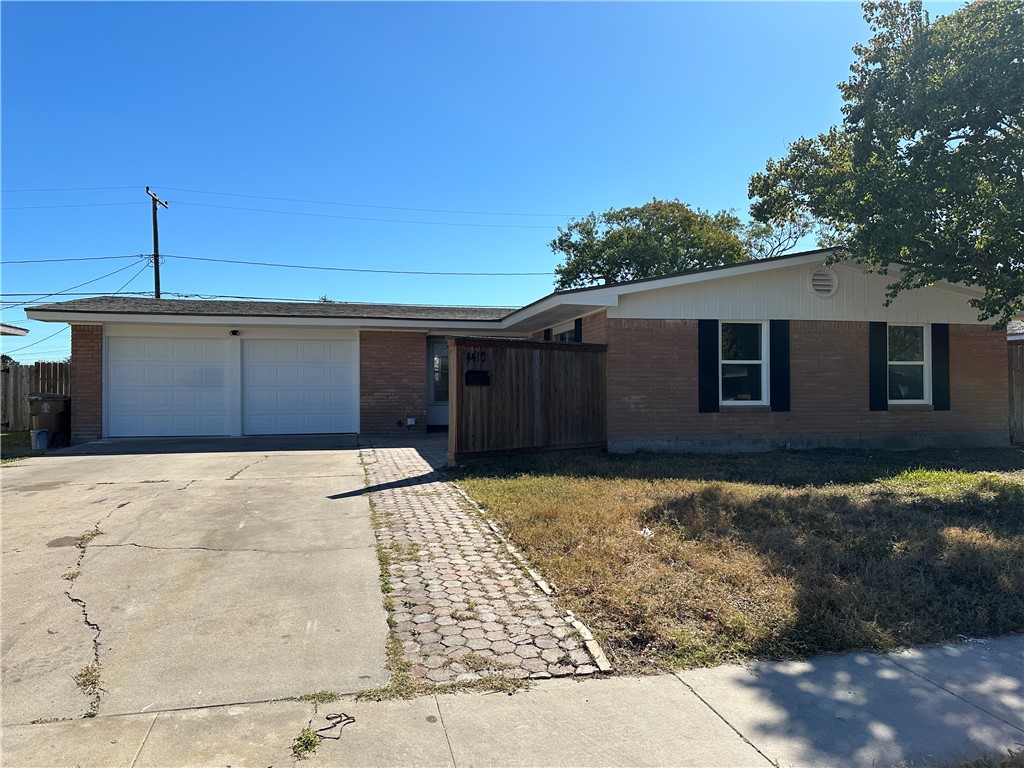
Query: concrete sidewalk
921, 706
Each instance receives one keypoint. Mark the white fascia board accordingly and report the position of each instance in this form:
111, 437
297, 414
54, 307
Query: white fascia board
104, 318
588, 302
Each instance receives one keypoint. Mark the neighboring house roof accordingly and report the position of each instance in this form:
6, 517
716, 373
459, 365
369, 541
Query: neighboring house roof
1015, 330
338, 309
12, 330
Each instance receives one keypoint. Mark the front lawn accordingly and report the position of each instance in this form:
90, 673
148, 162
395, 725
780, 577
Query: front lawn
693, 560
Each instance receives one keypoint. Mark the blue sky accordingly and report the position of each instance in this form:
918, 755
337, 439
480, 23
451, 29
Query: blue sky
425, 126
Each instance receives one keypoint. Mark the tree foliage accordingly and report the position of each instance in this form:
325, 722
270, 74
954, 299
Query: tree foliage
658, 238
926, 171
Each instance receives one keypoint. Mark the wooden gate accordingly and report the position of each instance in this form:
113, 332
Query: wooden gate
1016, 361
509, 395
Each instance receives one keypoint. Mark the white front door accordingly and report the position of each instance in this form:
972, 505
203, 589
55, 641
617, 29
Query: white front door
437, 382
300, 386
166, 387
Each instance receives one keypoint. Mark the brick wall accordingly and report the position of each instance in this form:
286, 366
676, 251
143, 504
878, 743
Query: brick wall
392, 381
652, 391
86, 383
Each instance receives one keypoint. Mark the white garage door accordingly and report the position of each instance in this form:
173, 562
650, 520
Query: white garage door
300, 387
166, 387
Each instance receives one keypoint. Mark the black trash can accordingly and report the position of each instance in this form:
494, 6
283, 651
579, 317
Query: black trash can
52, 412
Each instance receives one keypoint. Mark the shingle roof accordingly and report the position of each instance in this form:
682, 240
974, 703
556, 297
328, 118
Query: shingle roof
340, 309
1015, 327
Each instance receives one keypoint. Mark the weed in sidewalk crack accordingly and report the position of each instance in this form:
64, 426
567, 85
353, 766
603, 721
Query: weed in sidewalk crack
305, 743
319, 697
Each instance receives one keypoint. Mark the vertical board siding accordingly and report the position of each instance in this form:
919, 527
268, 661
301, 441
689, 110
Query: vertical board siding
539, 396
20, 380
1016, 371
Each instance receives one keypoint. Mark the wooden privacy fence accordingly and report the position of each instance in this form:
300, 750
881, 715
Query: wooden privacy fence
508, 395
17, 381
1016, 354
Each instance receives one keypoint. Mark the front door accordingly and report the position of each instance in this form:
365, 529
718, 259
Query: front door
437, 382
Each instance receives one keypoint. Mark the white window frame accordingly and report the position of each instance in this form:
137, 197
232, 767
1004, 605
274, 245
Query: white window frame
926, 340
763, 362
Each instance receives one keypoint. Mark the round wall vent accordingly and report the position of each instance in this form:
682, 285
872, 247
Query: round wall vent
824, 282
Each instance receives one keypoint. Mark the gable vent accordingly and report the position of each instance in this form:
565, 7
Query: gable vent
824, 282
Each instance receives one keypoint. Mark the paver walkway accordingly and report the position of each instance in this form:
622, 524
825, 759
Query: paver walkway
463, 605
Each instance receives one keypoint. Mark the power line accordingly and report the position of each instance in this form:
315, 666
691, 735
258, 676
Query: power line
70, 189
82, 258
358, 269
130, 281
67, 205
34, 343
366, 205
364, 218
76, 293
87, 282
302, 200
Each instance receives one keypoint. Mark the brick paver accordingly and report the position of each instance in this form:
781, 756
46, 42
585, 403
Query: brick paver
463, 605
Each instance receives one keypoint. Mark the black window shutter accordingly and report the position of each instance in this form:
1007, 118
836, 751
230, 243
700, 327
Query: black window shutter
778, 363
578, 330
878, 366
940, 366
707, 366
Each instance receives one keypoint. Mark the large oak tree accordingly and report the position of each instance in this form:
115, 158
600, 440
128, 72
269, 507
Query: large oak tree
658, 238
926, 171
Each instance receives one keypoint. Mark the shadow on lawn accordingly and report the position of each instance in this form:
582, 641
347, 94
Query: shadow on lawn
873, 571
786, 468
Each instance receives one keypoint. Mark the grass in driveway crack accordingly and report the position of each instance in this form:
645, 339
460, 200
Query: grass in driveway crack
248, 466
88, 679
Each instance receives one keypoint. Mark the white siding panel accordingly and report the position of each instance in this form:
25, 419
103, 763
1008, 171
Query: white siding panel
784, 294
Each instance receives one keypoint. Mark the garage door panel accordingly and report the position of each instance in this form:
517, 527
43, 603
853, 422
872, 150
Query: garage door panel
166, 387
299, 386
163, 348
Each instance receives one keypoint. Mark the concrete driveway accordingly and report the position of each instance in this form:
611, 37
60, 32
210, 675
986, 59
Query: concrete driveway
190, 573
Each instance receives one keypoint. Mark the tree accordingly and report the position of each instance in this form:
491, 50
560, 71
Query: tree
6, 359
658, 238
926, 171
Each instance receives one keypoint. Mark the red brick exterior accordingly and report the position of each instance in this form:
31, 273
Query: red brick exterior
392, 381
652, 391
86, 383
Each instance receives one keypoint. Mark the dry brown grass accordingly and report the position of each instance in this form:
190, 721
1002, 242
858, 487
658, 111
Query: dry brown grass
678, 561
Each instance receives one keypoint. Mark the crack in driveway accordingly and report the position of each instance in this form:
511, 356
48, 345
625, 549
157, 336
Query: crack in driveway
95, 665
216, 549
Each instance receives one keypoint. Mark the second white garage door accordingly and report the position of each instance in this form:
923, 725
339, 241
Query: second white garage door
300, 386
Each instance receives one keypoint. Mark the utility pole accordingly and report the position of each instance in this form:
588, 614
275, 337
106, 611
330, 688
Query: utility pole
156, 245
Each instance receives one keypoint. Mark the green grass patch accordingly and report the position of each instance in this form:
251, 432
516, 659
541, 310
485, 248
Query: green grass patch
15, 446
696, 560
319, 697
305, 744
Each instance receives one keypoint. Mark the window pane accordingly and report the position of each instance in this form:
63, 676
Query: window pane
741, 341
906, 342
741, 382
440, 366
906, 382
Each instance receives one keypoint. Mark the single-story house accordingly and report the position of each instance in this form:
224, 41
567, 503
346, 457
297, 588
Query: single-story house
790, 351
